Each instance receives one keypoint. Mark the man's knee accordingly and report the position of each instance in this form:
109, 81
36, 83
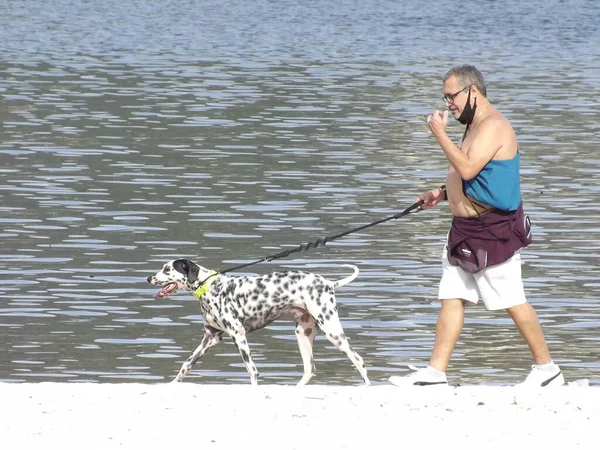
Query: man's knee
522, 311
450, 304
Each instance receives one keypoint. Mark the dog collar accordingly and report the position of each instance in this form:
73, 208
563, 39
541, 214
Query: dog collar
205, 286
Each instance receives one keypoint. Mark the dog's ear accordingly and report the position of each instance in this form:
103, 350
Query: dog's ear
188, 268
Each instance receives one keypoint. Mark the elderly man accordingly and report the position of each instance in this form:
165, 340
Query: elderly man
482, 256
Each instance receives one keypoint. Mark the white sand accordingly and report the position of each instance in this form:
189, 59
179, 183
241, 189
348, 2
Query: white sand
194, 416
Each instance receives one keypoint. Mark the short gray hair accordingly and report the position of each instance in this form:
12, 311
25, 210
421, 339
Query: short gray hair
467, 76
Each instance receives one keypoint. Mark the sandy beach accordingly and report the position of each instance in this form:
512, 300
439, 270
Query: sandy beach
136, 416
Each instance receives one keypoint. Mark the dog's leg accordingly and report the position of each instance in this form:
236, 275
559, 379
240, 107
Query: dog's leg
306, 330
331, 326
337, 337
238, 334
211, 337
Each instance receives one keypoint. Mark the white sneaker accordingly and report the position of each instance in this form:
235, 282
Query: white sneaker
543, 378
420, 377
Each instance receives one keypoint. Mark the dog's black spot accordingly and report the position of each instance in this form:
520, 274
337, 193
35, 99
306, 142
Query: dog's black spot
245, 355
229, 290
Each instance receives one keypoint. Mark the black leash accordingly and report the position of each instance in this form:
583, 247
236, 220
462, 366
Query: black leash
325, 240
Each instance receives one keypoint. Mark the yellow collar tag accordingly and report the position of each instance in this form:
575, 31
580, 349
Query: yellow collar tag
203, 289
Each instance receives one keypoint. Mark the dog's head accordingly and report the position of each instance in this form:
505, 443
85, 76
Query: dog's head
176, 274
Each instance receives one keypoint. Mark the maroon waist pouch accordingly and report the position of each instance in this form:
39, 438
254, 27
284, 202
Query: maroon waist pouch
489, 239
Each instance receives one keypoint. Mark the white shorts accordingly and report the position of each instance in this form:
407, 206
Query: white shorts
499, 286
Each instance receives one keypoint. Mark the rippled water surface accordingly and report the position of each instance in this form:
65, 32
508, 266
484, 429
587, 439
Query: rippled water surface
138, 132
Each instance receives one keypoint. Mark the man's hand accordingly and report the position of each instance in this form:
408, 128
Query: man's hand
431, 198
438, 121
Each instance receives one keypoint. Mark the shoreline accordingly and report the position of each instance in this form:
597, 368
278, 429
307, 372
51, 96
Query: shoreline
135, 415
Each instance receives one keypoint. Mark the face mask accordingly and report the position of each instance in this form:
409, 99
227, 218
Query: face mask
468, 113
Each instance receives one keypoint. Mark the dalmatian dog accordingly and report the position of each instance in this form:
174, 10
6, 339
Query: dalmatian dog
238, 305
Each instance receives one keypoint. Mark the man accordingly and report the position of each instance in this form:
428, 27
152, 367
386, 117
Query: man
482, 256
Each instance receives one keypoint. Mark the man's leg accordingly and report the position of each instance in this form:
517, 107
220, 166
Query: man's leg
526, 320
544, 373
455, 286
448, 329
501, 287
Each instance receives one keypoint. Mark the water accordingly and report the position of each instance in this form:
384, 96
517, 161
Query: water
138, 132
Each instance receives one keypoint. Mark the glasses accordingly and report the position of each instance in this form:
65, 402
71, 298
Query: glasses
449, 98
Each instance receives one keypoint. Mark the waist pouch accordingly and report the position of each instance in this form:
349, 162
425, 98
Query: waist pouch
492, 238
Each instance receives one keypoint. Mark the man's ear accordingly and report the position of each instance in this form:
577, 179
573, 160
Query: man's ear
188, 268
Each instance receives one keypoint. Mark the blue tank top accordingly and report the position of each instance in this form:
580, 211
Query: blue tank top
498, 184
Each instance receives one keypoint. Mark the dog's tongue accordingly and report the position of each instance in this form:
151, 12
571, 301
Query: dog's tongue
167, 290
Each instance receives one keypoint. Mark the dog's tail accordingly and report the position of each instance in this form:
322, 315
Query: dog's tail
344, 281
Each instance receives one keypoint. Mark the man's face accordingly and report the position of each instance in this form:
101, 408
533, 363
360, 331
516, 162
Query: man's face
455, 96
